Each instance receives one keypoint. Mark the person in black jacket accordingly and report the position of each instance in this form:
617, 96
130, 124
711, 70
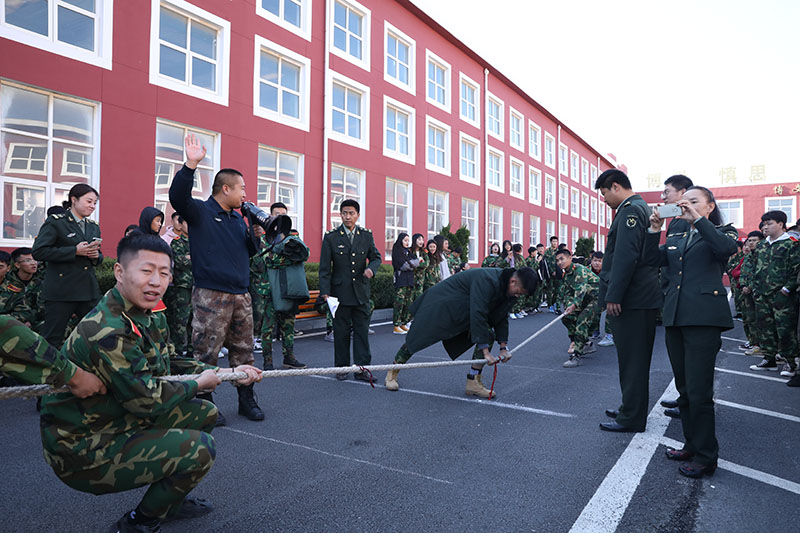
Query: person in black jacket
150, 221
404, 265
696, 312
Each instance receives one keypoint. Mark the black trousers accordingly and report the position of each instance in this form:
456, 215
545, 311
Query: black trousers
634, 333
357, 318
693, 353
56, 318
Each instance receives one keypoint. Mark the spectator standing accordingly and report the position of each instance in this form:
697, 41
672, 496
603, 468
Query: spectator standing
433, 273
178, 297
492, 260
555, 278
751, 346
150, 221
608, 339
404, 265
418, 251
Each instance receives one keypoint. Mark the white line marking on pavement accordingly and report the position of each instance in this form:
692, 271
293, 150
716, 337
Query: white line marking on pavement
757, 410
336, 455
732, 339
750, 375
745, 471
492, 403
606, 508
527, 367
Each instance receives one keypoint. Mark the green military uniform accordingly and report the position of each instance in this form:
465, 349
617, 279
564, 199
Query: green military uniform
178, 297
33, 296
420, 273
627, 280
776, 267
145, 431
26, 356
696, 311
259, 286
433, 274
70, 285
748, 308
552, 284
733, 262
519, 262
494, 261
404, 288
579, 287
341, 274
534, 300
12, 299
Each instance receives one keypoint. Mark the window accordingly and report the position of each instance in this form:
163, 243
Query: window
349, 111
437, 212
190, 50
574, 239
494, 116
469, 158
495, 224
534, 141
80, 30
563, 198
516, 227
584, 206
469, 219
494, 170
731, 211
562, 233
602, 214
350, 30
584, 172
549, 191
781, 204
602, 243
562, 160
574, 202
516, 179
534, 186
533, 232
574, 170
49, 143
438, 81
292, 15
398, 212
438, 146
592, 176
549, 150
399, 69
470, 108
346, 184
551, 231
280, 179
608, 217
516, 137
593, 213
281, 91
398, 130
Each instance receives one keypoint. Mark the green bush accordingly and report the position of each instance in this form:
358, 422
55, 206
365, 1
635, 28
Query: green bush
584, 247
381, 286
105, 274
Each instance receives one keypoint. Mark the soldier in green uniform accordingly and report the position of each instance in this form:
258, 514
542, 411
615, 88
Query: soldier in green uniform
12, 293
751, 346
518, 261
178, 297
418, 251
145, 431
26, 273
578, 292
404, 265
774, 285
259, 286
630, 293
70, 244
733, 264
348, 260
492, 260
552, 284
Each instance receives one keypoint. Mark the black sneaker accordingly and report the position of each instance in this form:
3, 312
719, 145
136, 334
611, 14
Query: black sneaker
290, 362
190, 508
745, 346
765, 364
124, 525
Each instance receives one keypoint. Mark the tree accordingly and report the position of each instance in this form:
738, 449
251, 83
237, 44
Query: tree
459, 238
584, 247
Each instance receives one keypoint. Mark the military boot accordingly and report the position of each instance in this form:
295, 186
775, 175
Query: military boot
391, 380
289, 361
207, 397
248, 406
475, 388
268, 362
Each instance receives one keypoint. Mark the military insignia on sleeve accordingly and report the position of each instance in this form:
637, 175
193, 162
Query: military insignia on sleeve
12, 288
631, 221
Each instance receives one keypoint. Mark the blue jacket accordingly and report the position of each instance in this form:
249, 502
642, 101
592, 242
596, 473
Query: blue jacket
219, 241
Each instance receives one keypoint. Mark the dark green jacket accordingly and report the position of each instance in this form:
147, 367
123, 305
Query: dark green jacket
695, 295
342, 265
626, 278
471, 308
69, 277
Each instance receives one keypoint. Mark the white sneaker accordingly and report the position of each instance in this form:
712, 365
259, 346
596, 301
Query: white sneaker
257, 345
787, 371
572, 362
522, 314
222, 353
512, 316
608, 340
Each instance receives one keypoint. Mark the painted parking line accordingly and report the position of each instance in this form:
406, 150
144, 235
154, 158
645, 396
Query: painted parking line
335, 455
750, 375
758, 410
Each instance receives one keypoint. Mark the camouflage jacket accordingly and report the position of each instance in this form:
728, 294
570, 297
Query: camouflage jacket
182, 263
419, 272
776, 266
12, 299
264, 260
128, 349
532, 262
494, 261
27, 357
433, 274
748, 268
578, 284
733, 261
550, 259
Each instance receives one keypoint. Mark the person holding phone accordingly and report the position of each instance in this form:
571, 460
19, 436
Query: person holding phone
70, 244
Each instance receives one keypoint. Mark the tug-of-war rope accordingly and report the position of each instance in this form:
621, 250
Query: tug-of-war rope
34, 391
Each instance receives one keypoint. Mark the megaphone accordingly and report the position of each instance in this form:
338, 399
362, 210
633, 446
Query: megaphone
273, 225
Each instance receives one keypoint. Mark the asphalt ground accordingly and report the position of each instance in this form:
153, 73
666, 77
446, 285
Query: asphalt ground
342, 456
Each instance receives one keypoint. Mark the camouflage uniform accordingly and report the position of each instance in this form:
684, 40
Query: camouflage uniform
598, 316
522, 303
419, 275
432, 274
776, 267
12, 299
733, 262
579, 287
494, 261
259, 286
553, 284
178, 297
144, 431
33, 295
748, 308
28, 358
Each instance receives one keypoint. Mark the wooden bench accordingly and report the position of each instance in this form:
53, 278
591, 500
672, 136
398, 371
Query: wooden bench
308, 309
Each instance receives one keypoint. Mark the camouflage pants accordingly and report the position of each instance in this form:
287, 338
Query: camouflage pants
403, 298
258, 310
736, 295
579, 323
172, 457
776, 320
748, 310
283, 321
551, 290
222, 319
596, 322
179, 317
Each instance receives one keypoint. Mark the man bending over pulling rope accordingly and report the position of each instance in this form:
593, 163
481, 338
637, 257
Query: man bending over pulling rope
471, 308
145, 431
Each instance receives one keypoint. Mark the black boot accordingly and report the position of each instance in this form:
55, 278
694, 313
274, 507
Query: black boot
268, 362
247, 403
207, 397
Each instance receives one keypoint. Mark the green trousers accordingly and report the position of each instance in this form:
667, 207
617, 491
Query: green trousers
579, 323
403, 298
776, 320
634, 333
355, 317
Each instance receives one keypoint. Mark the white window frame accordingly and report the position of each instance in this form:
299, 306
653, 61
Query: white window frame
552, 203
103, 35
490, 98
533, 231
400, 106
431, 122
575, 237
601, 240
463, 79
430, 57
549, 157
299, 212
584, 172
302, 122
534, 140
791, 219
363, 143
220, 96
740, 211
304, 30
513, 163
592, 175
563, 233
563, 159
574, 202
534, 185
398, 229
574, 166
516, 230
584, 206
499, 237
563, 198
514, 114
601, 212
550, 231
445, 215
366, 40
65, 163
593, 210
9, 159
489, 185
411, 86
463, 137
472, 226
609, 216
334, 207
